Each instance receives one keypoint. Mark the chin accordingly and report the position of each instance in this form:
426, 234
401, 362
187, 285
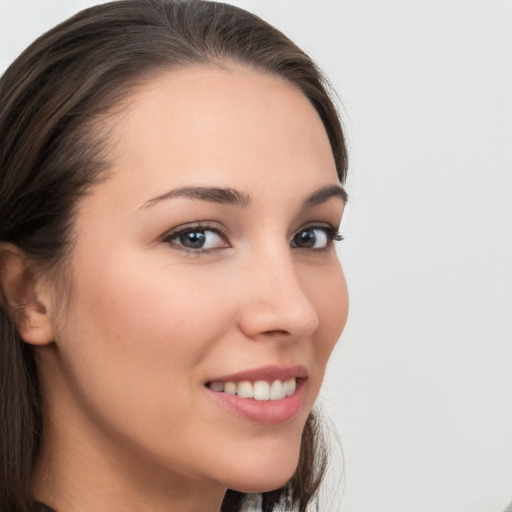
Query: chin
262, 476
264, 483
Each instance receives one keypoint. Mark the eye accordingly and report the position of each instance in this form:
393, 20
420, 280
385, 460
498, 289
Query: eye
197, 238
315, 237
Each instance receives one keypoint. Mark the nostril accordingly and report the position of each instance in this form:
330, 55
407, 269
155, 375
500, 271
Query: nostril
277, 332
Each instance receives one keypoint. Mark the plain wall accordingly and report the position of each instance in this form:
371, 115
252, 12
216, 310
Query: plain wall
420, 386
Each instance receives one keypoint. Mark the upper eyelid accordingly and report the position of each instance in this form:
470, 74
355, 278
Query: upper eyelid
332, 231
170, 236
316, 224
199, 226
214, 226
223, 233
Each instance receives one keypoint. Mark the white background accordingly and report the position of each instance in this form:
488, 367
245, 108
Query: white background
420, 387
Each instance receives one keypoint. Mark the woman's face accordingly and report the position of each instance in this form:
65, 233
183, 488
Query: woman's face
204, 261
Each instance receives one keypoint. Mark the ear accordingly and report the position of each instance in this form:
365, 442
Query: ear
20, 296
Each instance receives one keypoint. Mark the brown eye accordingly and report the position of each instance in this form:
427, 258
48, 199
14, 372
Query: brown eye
312, 238
194, 238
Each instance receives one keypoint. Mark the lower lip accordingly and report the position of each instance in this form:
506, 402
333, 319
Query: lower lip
267, 412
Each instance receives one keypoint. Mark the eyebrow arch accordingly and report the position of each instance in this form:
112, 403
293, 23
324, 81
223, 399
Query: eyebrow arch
212, 194
234, 197
323, 194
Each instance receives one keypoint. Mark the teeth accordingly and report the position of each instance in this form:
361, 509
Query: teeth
277, 390
217, 386
290, 386
244, 389
259, 390
230, 388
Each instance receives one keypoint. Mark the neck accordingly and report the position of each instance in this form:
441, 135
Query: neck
74, 474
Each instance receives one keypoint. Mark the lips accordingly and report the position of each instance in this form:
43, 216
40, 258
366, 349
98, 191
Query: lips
267, 373
265, 395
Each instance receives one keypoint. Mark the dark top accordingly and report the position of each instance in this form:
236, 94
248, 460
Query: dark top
41, 507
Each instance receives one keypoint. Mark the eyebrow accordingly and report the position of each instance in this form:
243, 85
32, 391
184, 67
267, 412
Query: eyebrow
211, 194
323, 194
236, 198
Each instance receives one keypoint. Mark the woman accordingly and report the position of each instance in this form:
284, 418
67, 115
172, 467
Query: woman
170, 195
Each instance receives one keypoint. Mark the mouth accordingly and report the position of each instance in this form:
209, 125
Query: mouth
259, 390
266, 395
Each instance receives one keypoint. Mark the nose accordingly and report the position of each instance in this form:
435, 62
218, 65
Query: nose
275, 304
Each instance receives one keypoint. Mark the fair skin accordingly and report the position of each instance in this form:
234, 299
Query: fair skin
132, 423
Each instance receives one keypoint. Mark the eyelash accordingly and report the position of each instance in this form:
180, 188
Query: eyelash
192, 228
333, 235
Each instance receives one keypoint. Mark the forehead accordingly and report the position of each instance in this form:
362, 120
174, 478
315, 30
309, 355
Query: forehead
211, 123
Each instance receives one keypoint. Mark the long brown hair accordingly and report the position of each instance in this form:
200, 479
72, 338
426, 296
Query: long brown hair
52, 99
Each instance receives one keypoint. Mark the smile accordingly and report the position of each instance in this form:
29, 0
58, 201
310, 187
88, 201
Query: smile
267, 395
258, 390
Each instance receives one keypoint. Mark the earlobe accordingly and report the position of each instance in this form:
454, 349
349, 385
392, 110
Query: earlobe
20, 297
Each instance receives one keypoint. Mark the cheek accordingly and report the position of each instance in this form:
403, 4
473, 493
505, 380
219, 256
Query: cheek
149, 310
135, 330
330, 296
133, 346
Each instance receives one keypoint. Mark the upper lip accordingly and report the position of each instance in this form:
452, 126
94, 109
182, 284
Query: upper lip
268, 373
